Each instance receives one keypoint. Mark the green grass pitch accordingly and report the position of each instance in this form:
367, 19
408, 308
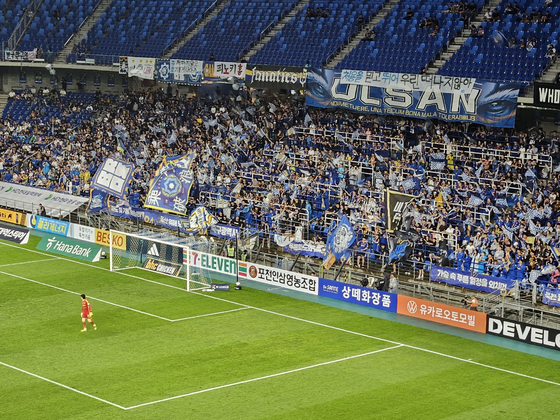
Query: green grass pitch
163, 353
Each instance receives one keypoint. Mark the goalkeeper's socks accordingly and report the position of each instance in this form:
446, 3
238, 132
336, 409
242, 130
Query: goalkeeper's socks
85, 326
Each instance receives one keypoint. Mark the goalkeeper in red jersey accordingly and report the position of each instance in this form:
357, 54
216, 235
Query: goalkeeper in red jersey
87, 313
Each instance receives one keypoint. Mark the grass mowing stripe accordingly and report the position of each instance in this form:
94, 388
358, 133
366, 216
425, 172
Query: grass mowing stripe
28, 262
511, 372
90, 297
330, 362
304, 320
63, 386
213, 313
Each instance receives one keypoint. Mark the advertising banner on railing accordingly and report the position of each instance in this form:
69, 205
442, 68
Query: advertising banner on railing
82, 233
217, 263
153, 217
28, 198
488, 103
256, 272
14, 217
441, 313
142, 67
358, 295
187, 72
46, 224
527, 333
220, 72
546, 95
277, 277
275, 77
70, 248
19, 55
551, 297
14, 234
473, 281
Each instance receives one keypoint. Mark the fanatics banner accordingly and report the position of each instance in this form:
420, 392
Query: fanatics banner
266, 77
488, 103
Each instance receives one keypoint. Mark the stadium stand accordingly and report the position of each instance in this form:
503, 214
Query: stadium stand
316, 32
140, 27
472, 206
54, 23
234, 30
486, 198
408, 38
510, 47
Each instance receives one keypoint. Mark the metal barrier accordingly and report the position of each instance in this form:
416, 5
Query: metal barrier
480, 153
23, 24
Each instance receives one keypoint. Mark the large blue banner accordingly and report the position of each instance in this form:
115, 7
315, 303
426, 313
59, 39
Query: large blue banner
488, 103
551, 297
358, 295
472, 281
171, 187
46, 224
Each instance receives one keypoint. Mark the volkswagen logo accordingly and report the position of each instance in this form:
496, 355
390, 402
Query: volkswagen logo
412, 307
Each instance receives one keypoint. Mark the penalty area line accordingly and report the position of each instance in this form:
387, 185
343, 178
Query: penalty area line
89, 297
262, 378
63, 386
293, 317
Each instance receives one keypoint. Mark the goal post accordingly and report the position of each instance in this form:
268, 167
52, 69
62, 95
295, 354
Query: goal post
128, 250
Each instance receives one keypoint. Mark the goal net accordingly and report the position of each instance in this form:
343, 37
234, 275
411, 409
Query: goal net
158, 252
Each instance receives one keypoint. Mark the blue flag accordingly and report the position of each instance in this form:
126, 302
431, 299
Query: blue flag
170, 189
341, 239
98, 201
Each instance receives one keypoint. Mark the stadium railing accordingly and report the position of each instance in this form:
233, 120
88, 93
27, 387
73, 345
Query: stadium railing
479, 153
510, 187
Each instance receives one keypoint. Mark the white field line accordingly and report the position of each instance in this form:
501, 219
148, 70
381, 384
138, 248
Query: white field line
121, 306
63, 386
89, 297
28, 262
262, 377
313, 322
119, 272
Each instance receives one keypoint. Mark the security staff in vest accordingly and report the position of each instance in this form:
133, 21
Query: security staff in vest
473, 302
230, 250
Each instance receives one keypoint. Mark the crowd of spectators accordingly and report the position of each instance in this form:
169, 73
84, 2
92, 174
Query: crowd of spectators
486, 200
